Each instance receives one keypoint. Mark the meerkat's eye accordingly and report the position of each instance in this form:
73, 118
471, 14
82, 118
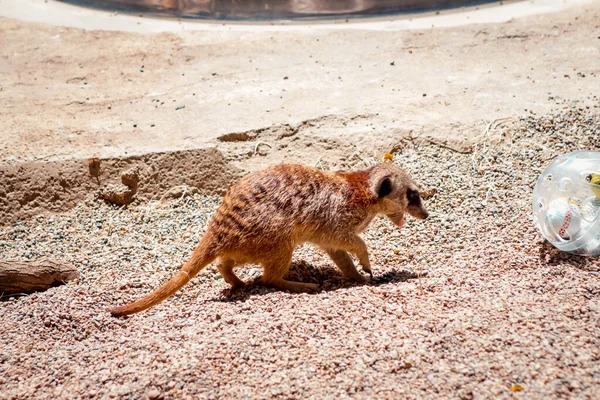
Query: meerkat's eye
412, 196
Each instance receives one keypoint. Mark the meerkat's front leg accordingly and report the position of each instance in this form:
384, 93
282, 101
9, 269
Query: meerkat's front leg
354, 244
344, 262
362, 253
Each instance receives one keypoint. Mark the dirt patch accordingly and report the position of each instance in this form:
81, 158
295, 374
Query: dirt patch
32, 188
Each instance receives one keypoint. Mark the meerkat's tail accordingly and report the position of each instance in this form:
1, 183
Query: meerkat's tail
202, 256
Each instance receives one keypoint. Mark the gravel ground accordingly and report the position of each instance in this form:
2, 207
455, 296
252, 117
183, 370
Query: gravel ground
468, 304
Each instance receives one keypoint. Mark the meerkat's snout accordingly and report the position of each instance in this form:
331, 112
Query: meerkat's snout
421, 214
415, 205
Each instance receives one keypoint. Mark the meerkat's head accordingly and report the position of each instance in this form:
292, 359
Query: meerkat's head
397, 193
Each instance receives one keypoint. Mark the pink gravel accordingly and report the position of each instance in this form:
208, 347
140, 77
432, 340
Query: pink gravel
471, 303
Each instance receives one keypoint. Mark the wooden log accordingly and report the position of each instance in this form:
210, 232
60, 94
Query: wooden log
25, 276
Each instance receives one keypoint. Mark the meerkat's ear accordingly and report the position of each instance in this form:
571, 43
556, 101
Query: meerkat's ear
384, 187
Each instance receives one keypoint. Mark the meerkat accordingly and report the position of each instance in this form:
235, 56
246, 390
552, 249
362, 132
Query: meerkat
268, 213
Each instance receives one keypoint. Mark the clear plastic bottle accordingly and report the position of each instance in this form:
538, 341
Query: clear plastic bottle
566, 203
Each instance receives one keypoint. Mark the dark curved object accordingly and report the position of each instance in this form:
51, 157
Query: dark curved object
272, 10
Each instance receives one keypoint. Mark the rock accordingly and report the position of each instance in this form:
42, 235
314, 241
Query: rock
25, 276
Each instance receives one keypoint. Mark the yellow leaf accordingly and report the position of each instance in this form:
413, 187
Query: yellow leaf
388, 157
516, 387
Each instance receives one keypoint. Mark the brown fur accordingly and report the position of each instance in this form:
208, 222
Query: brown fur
268, 213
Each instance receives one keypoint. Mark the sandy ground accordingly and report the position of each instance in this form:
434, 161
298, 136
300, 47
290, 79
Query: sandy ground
117, 93
468, 304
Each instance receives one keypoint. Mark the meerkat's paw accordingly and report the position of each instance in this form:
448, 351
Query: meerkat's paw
368, 271
360, 278
297, 287
239, 285
313, 287
301, 287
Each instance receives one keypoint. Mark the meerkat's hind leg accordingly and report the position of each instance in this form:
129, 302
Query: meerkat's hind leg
225, 267
342, 259
274, 271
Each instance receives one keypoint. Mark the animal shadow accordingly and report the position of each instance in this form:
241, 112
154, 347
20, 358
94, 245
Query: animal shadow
551, 256
328, 277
